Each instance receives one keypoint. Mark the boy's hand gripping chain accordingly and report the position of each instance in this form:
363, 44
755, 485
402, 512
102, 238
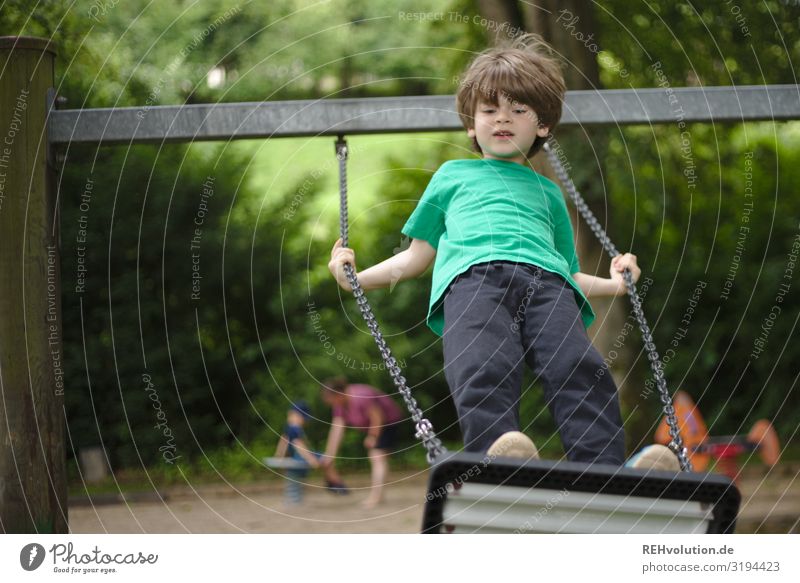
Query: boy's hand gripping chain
655, 362
424, 431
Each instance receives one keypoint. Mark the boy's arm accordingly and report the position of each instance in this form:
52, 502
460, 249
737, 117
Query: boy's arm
283, 444
405, 265
375, 426
335, 436
593, 286
301, 448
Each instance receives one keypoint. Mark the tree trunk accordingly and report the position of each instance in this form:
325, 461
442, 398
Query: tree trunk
499, 13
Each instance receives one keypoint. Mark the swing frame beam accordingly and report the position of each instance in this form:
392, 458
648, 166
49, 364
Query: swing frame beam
381, 115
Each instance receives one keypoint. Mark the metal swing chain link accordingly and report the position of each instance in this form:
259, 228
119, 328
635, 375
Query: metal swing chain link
424, 428
676, 445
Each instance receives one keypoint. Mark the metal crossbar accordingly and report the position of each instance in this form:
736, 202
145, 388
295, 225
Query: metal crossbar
330, 117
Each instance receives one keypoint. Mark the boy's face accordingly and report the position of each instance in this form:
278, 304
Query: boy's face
295, 418
506, 131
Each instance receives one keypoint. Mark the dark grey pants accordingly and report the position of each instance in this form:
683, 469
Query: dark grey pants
499, 315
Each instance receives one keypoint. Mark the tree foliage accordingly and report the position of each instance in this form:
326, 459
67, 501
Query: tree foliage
269, 323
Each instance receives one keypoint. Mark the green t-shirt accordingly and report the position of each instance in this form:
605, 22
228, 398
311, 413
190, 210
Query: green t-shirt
480, 210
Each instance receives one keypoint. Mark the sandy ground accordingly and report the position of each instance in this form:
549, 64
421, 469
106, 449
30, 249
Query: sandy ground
770, 504
260, 508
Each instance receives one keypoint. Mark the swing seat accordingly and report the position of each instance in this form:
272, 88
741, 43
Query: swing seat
285, 463
469, 494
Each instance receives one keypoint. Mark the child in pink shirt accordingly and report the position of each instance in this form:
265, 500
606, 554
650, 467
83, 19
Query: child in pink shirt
366, 409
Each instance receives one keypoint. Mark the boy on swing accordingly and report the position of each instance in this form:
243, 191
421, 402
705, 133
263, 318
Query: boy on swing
507, 288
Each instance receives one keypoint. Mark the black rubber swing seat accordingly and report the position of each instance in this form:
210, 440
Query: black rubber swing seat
469, 494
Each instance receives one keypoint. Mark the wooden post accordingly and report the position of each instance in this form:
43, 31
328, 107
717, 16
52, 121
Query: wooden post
33, 489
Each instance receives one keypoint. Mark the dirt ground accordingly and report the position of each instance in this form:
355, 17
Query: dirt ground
770, 504
259, 508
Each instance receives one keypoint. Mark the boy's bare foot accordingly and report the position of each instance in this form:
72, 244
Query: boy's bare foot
655, 457
514, 444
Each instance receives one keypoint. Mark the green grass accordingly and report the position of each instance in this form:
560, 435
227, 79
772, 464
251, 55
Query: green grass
242, 465
276, 167
234, 464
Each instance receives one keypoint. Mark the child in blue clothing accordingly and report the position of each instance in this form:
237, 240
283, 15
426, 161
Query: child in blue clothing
507, 287
293, 445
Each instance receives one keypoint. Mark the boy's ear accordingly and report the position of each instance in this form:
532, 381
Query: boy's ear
471, 132
543, 131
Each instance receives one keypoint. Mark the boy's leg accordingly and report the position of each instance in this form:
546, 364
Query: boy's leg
294, 486
584, 404
379, 466
379, 461
483, 355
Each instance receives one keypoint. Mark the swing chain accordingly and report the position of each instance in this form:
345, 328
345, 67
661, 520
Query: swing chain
424, 428
676, 444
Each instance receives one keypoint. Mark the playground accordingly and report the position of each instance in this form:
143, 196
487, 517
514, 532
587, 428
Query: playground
538, 316
770, 504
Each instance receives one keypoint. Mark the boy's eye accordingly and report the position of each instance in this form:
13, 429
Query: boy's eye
520, 110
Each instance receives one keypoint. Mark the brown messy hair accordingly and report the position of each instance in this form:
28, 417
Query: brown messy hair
335, 385
525, 72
